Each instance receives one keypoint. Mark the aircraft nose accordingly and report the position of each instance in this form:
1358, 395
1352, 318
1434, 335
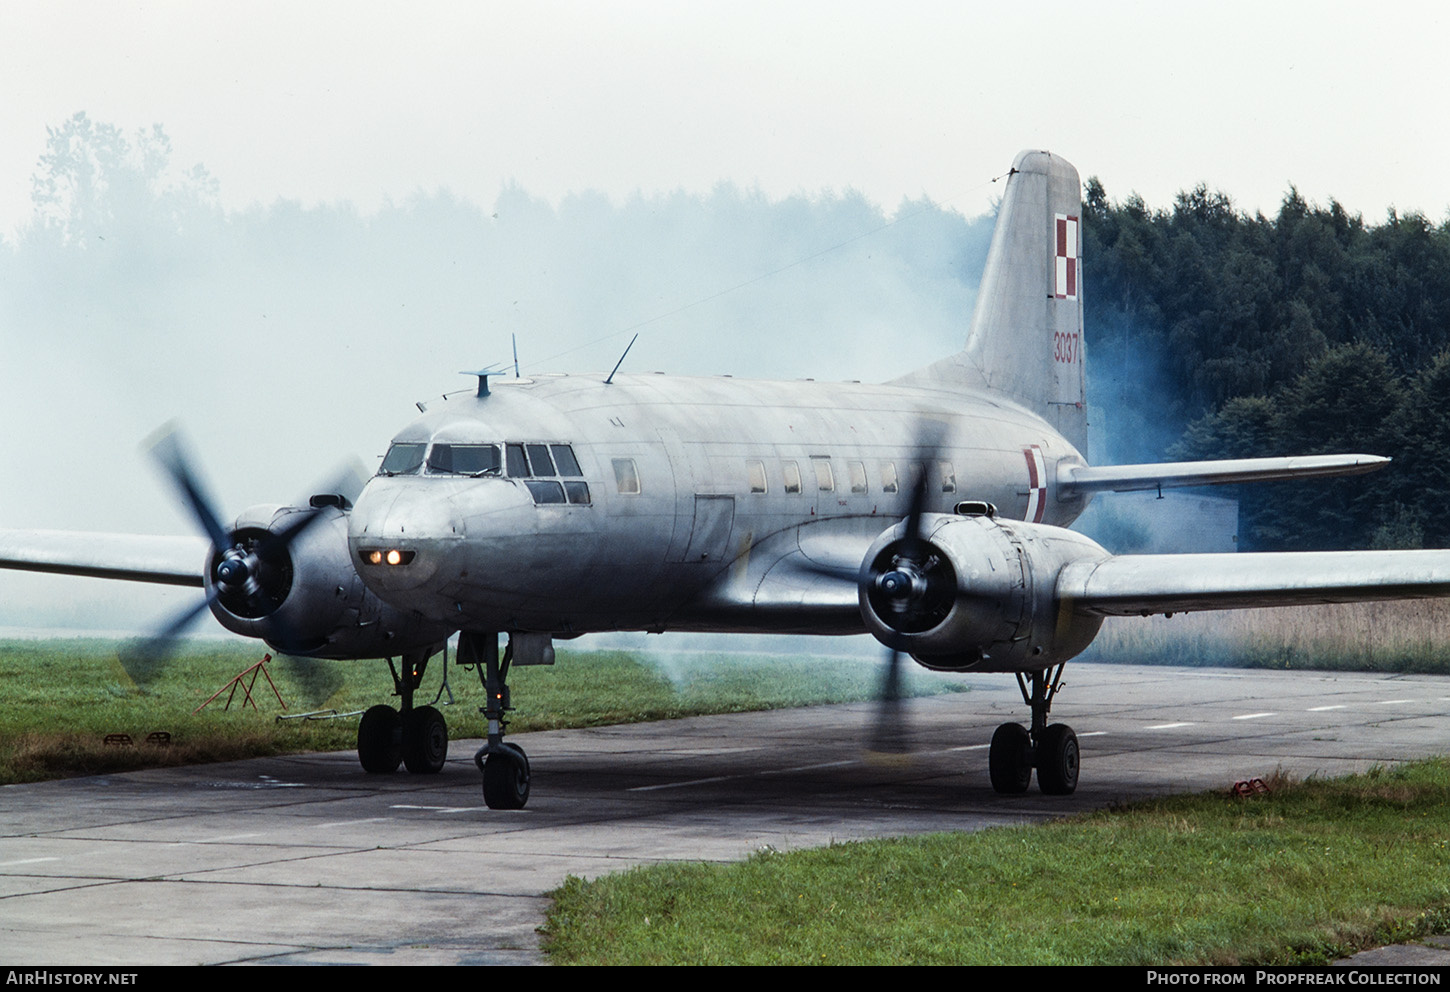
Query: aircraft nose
399, 535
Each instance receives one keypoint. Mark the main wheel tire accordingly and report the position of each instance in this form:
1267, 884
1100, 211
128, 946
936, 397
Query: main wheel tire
1009, 759
425, 741
506, 778
379, 740
1058, 759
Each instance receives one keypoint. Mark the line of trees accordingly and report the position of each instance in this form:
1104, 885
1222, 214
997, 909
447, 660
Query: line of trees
1215, 334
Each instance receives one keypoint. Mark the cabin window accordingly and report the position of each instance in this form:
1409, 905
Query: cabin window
403, 458
626, 476
948, 477
757, 476
888, 477
825, 480
464, 459
792, 474
858, 476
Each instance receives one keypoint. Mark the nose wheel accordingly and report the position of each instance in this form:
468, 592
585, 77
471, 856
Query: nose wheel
505, 777
1051, 749
505, 767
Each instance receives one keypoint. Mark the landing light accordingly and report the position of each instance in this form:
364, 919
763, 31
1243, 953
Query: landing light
388, 556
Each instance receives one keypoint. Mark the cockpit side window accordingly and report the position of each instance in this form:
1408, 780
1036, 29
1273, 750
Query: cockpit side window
403, 458
518, 468
539, 461
565, 460
543, 465
546, 491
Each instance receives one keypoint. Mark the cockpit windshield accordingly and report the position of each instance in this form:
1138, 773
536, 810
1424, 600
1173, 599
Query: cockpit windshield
403, 458
464, 459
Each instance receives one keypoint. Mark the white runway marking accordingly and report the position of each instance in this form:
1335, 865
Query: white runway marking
681, 785
351, 823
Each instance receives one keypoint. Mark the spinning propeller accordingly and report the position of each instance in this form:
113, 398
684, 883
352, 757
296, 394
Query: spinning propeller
250, 569
905, 586
911, 587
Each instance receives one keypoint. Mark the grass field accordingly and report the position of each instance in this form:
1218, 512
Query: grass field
63, 697
1314, 871
1410, 636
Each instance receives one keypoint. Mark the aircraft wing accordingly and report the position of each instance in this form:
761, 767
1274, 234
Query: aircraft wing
176, 561
1073, 479
1133, 585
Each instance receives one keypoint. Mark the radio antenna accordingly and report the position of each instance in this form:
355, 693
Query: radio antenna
621, 359
515, 339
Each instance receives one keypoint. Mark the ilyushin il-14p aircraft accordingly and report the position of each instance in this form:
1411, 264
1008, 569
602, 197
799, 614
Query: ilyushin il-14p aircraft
931, 511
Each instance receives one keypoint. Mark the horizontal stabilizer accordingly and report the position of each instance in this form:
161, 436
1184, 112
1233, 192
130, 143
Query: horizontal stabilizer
1133, 585
1078, 479
175, 561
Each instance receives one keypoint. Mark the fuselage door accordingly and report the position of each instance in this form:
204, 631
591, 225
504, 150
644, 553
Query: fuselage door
704, 505
710, 535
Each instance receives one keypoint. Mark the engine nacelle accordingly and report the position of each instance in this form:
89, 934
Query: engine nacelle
307, 598
983, 596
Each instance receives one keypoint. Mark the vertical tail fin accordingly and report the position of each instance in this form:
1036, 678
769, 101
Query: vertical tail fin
1026, 339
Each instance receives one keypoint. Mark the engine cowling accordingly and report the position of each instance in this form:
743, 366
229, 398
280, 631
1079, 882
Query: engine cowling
306, 598
975, 593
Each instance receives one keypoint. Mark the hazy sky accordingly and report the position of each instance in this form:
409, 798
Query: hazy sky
366, 100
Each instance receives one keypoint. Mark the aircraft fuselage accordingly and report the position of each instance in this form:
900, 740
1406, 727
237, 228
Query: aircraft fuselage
696, 487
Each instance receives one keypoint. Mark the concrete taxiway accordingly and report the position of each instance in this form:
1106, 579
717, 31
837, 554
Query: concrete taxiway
306, 859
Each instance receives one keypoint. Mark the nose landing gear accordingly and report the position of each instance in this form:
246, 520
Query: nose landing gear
505, 767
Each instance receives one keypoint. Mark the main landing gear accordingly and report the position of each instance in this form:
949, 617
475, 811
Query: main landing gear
505, 767
416, 737
1051, 749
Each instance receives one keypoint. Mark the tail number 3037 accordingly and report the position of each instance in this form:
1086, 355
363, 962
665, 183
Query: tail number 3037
1065, 347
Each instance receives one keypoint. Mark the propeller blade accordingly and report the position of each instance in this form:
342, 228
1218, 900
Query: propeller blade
279, 541
316, 680
892, 735
347, 483
929, 447
167, 448
350, 479
144, 659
